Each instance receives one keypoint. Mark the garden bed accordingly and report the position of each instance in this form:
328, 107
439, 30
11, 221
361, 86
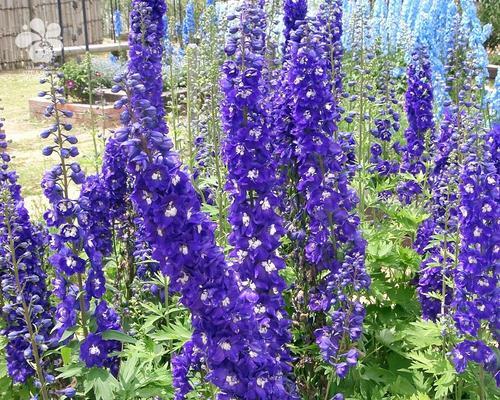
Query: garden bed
81, 112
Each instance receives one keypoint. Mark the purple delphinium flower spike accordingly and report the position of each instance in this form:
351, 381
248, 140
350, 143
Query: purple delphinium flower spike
62, 214
257, 229
294, 11
333, 245
443, 221
82, 237
476, 278
419, 110
329, 20
26, 308
182, 237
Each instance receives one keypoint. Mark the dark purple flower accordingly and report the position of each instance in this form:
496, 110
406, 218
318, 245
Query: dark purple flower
252, 183
476, 281
94, 351
180, 236
26, 308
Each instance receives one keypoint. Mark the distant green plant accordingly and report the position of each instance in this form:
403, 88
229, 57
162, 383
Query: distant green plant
495, 59
489, 13
76, 76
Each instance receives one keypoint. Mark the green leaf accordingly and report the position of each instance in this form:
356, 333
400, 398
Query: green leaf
66, 355
70, 371
67, 333
119, 336
102, 383
402, 386
387, 336
423, 334
176, 332
128, 369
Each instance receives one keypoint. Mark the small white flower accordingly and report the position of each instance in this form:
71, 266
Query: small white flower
94, 350
226, 346
265, 204
272, 230
240, 150
184, 249
183, 279
241, 254
245, 219
311, 171
256, 133
146, 196
469, 188
254, 243
310, 94
325, 195
70, 262
253, 174
231, 380
259, 309
486, 208
269, 266
298, 80
156, 176
171, 210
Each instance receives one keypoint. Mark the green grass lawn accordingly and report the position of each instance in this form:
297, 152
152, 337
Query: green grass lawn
23, 133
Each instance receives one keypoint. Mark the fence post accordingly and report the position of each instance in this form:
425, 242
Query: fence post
61, 24
85, 28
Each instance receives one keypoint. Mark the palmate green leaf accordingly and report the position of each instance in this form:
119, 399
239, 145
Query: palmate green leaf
444, 385
128, 369
102, 383
377, 374
155, 309
423, 334
388, 336
402, 386
211, 210
420, 382
176, 332
380, 250
150, 322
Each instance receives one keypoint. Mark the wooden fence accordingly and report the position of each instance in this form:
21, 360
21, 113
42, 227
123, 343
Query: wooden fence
15, 15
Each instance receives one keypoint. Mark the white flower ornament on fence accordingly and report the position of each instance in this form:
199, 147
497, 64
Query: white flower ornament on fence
42, 40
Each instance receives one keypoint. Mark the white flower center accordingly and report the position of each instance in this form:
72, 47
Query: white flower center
171, 211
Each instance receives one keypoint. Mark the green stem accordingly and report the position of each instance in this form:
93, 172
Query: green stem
482, 392
81, 298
